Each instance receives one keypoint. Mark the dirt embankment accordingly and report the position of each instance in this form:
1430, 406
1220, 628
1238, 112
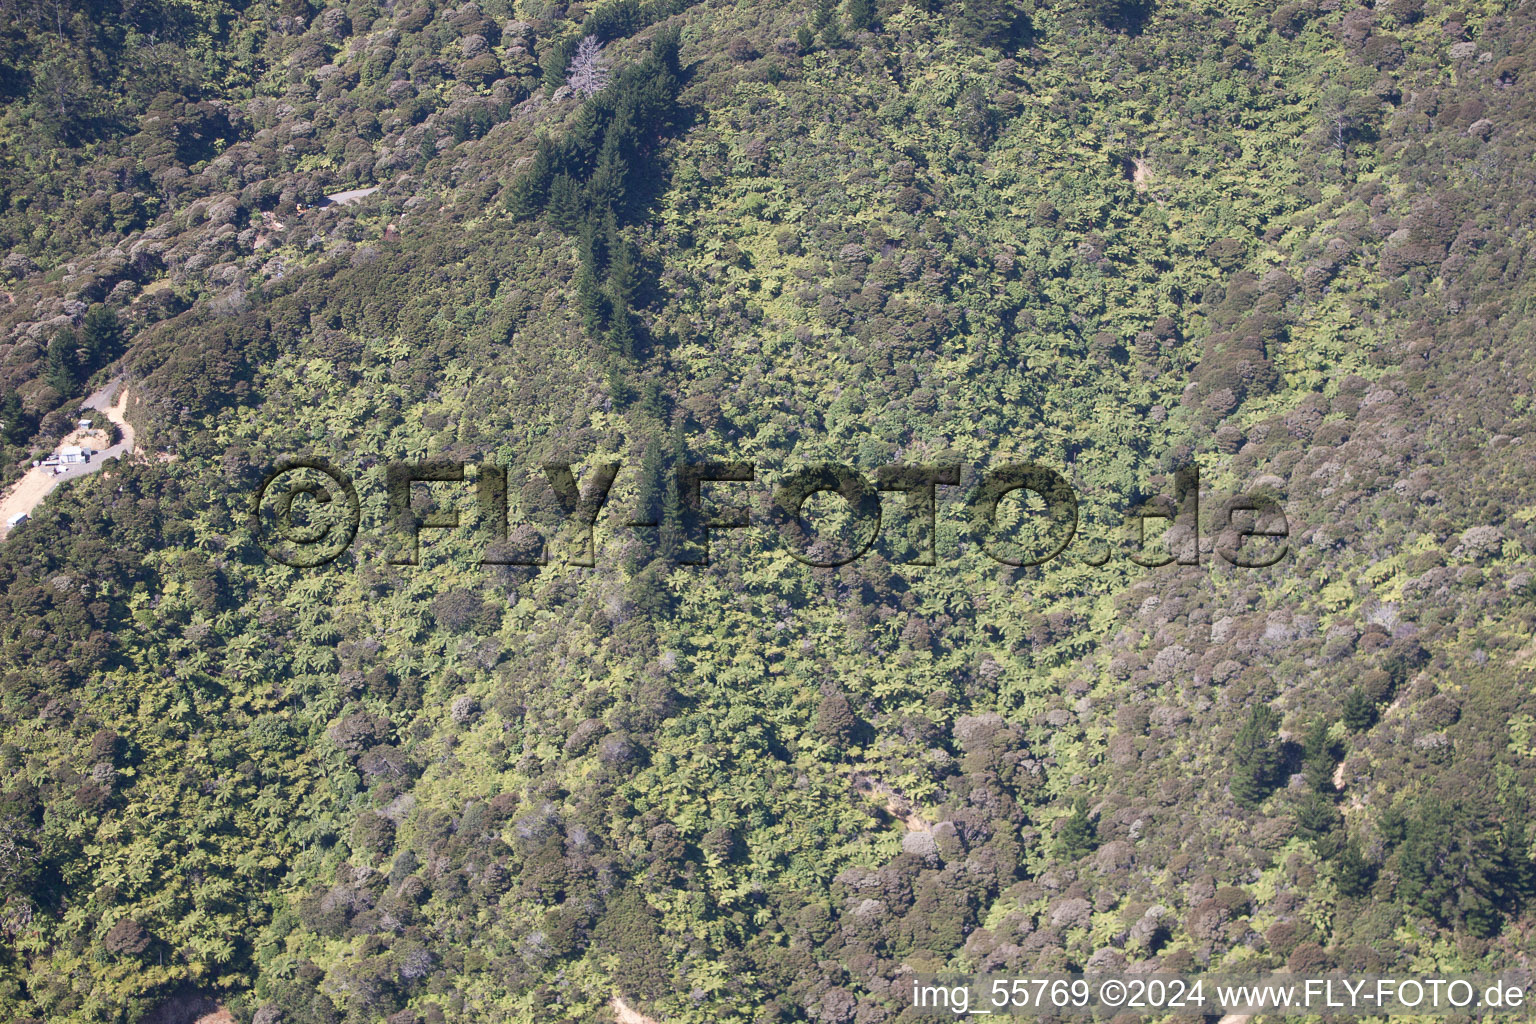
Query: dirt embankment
623, 1013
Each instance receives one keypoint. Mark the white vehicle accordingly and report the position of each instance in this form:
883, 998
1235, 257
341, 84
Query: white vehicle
15, 520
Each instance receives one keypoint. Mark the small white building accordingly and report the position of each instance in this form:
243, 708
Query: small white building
84, 424
15, 520
71, 454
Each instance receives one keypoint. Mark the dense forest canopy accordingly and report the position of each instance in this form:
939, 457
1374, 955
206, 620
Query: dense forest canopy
1283, 248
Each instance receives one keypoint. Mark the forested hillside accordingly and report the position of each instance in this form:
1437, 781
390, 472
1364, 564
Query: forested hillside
1288, 245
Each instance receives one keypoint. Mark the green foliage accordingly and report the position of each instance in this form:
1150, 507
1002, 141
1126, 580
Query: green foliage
1359, 711
1256, 757
861, 15
832, 34
467, 791
1457, 866
1078, 836
1352, 873
1319, 756
15, 425
995, 23
101, 336
65, 368
1318, 820
597, 178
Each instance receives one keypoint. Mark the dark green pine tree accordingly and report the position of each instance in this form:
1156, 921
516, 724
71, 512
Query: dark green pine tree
1352, 873
554, 60
1318, 757
1319, 820
623, 267
652, 484
621, 342
590, 302
1454, 865
607, 188
15, 425
861, 15
1078, 836
822, 16
63, 372
666, 56
1522, 868
653, 401
1256, 761
988, 22
1359, 711
620, 390
674, 538
567, 210
101, 336
593, 244
621, 287
530, 192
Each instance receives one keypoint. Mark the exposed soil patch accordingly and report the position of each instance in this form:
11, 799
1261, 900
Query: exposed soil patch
189, 1008
896, 805
1141, 173
626, 1014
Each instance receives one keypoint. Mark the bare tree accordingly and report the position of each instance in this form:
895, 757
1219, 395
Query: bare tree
587, 75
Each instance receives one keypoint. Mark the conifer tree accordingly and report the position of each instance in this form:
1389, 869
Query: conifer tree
621, 333
1318, 758
101, 336
1454, 865
1359, 711
590, 301
988, 22
1319, 820
1256, 757
565, 207
554, 60
652, 484
861, 14
63, 373
14, 425
623, 269
620, 391
1352, 873
1078, 836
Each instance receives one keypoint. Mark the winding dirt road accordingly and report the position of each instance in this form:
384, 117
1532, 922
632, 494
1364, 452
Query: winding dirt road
38, 483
